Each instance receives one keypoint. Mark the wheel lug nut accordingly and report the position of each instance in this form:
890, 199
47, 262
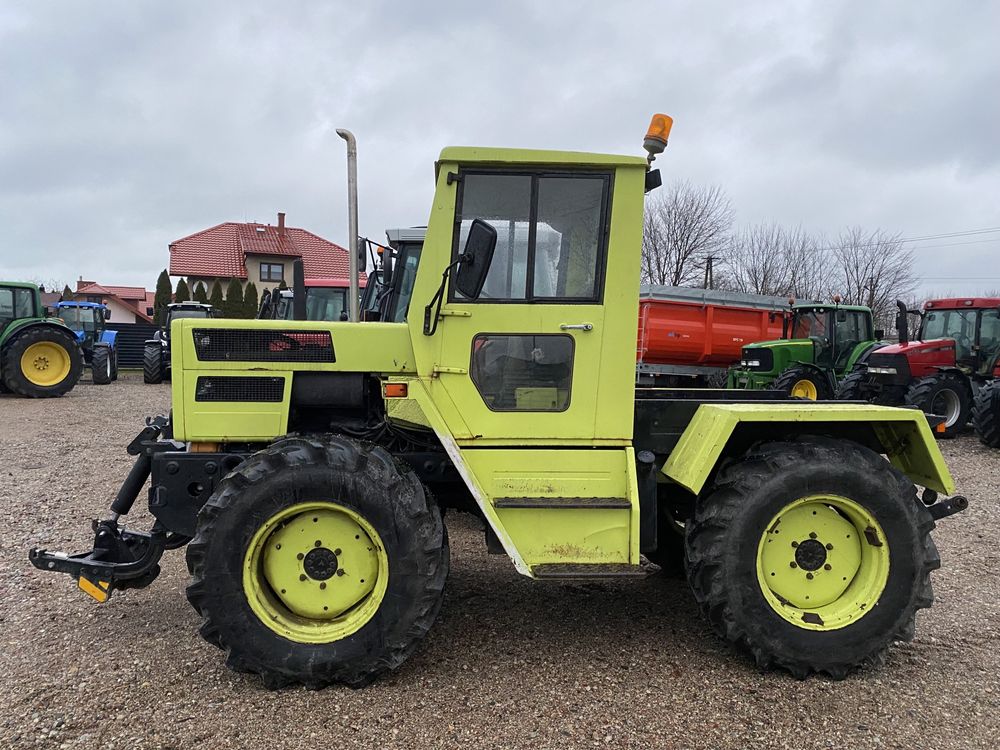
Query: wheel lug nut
809, 576
340, 572
795, 544
302, 577
323, 585
300, 556
792, 565
828, 567
812, 534
337, 551
829, 546
319, 543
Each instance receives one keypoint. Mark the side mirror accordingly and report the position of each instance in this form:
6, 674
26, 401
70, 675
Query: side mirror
879, 334
476, 259
107, 313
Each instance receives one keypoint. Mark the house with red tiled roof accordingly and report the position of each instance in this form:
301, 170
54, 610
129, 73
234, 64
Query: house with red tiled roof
128, 304
260, 253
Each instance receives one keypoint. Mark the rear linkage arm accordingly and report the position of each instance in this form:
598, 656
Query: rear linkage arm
120, 559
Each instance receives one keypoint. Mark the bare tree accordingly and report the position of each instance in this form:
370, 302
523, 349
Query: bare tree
874, 269
683, 227
771, 259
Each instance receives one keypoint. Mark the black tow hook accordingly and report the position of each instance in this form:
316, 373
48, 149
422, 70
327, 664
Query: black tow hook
948, 507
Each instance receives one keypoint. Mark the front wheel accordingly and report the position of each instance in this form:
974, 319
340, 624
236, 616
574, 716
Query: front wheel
852, 388
946, 395
814, 555
152, 363
318, 561
799, 381
986, 414
100, 365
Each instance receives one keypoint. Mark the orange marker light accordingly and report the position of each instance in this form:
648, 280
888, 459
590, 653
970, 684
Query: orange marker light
658, 133
394, 390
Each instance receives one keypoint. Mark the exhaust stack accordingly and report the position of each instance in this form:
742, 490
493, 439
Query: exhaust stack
352, 221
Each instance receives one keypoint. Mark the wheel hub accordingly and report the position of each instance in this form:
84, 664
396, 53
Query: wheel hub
320, 564
810, 555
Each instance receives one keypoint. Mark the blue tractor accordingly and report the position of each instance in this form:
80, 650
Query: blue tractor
100, 346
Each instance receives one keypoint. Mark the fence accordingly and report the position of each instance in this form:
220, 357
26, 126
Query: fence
131, 337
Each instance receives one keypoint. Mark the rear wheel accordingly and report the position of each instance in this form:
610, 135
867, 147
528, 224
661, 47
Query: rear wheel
986, 414
946, 395
114, 363
42, 362
152, 363
318, 561
813, 555
803, 382
100, 365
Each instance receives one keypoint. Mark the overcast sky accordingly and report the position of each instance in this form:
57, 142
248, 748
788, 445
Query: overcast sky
126, 125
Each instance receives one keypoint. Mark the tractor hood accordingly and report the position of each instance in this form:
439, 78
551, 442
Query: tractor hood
794, 346
913, 349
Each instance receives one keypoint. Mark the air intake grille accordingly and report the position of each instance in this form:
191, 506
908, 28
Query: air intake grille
239, 388
228, 345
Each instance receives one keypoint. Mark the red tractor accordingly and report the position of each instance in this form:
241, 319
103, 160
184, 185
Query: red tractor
952, 369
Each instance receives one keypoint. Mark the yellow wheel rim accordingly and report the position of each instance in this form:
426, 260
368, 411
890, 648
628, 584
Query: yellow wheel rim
45, 363
823, 562
315, 572
805, 389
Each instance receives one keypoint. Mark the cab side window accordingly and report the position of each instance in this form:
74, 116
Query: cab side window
551, 234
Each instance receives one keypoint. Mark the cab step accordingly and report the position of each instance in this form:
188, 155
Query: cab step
569, 571
616, 503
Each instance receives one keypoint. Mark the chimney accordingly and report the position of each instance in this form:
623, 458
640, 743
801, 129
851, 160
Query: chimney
281, 222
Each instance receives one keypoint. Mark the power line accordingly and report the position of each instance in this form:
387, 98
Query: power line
940, 236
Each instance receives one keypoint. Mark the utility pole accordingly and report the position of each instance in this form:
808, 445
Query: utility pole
709, 282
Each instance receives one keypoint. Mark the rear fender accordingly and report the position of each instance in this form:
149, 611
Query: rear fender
719, 431
23, 325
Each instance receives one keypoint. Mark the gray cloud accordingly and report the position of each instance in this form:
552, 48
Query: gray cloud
124, 126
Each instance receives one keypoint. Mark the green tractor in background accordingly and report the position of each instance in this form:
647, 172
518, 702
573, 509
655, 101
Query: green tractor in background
39, 356
821, 345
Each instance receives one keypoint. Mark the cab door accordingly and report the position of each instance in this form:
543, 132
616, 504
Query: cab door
537, 357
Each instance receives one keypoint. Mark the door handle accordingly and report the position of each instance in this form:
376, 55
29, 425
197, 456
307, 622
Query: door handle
577, 327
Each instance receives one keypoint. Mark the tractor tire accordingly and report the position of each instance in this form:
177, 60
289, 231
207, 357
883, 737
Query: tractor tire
852, 387
261, 604
100, 365
42, 362
946, 395
754, 557
152, 364
803, 382
986, 414
114, 364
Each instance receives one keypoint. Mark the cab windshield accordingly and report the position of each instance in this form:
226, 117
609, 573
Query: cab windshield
959, 325
78, 318
810, 324
178, 314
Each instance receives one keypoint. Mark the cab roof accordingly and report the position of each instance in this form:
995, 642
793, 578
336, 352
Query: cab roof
74, 303
830, 306
527, 156
963, 303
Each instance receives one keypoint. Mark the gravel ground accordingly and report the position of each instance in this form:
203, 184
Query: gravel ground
510, 663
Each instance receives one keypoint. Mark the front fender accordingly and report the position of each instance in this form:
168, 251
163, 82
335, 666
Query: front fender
110, 338
718, 431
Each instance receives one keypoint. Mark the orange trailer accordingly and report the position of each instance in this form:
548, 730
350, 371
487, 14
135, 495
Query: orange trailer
689, 337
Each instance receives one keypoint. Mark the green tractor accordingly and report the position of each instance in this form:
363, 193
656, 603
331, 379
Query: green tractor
821, 344
305, 464
39, 356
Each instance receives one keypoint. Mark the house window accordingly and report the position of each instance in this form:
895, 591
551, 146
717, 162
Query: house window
272, 271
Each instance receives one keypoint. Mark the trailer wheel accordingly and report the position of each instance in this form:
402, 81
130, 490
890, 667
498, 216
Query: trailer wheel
42, 362
986, 414
318, 562
803, 382
100, 365
152, 363
814, 556
946, 395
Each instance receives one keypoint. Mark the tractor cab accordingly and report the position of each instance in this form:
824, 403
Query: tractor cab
974, 326
86, 319
390, 286
835, 331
